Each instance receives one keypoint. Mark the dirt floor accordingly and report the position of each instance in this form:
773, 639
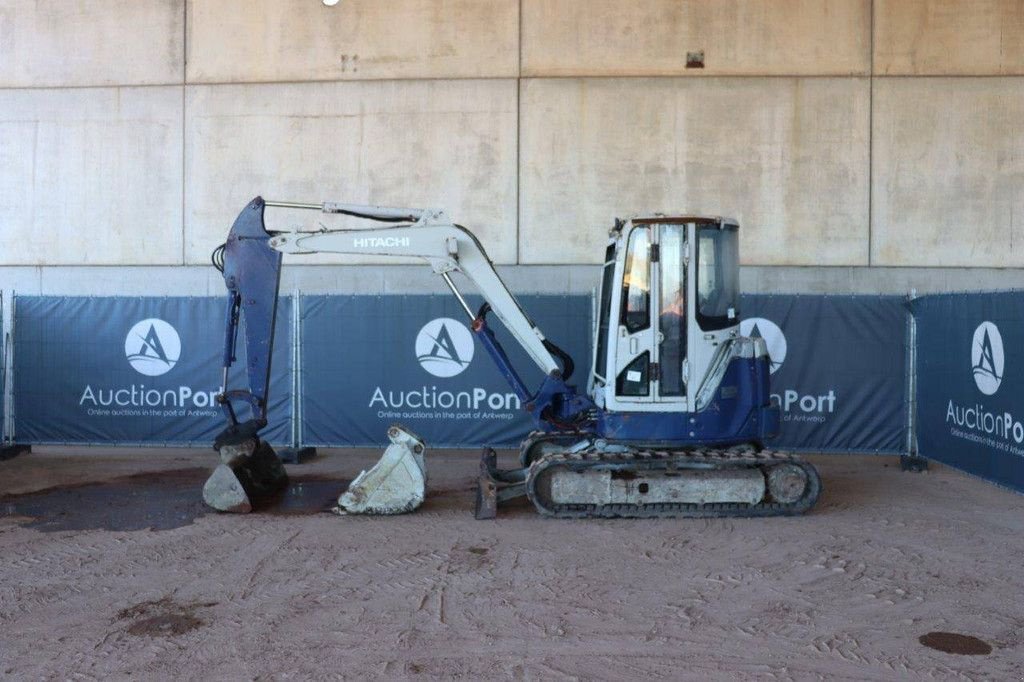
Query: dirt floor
110, 567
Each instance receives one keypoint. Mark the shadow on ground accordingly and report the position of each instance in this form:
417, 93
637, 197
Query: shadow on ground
154, 501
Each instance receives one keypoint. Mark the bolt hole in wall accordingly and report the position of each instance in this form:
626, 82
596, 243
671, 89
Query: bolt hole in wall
695, 60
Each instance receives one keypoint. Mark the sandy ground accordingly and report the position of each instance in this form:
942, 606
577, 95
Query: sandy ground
88, 590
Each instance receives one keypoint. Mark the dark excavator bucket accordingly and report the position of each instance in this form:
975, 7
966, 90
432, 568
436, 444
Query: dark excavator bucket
250, 475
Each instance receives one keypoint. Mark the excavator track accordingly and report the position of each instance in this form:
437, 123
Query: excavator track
712, 483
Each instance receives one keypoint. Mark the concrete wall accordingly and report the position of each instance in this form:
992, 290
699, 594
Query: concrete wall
736, 37
949, 37
762, 150
61, 43
244, 41
446, 143
91, 175
852, 138
948, 162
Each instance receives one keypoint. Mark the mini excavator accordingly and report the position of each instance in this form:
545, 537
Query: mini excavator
677, 409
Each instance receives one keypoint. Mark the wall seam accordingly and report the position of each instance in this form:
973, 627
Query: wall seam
871, 135
184, 118
723, 76
519, 140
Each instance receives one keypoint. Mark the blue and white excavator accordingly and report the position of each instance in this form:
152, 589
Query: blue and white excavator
677, 408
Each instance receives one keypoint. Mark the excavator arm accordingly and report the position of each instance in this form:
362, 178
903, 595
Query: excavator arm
252, 274
251, 268
250, 261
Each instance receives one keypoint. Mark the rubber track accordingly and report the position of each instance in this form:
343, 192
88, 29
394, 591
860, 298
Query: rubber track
659, 460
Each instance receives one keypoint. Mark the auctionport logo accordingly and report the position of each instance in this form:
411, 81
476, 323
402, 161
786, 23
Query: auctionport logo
152, 347
760, 328
444, 347
978, 423
987, 358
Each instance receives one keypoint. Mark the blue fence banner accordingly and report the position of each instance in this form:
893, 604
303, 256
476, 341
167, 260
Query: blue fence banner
839, 369
371, 361
129, 371
970, 383
3, 379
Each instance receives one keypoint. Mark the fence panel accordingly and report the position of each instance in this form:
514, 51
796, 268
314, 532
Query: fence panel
970, 383
370, 361
120, 370
839, 369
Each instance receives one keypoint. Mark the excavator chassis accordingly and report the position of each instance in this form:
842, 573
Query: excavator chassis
597, 479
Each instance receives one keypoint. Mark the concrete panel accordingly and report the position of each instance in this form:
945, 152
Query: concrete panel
737, 37
301, 40
877, 280
396, 280
91, 176
91, 42
948, 176
446, 144
949, 37
788, 157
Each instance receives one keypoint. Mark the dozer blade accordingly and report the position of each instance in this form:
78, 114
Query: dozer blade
250, 473
396, 484
496, 485
486, 506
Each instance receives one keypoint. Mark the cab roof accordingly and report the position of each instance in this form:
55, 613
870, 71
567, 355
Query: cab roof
650, 218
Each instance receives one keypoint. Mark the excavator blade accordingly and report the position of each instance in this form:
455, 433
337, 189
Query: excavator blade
250, 474
486, 505
396, 484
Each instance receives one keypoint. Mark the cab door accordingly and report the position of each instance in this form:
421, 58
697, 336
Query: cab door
670, 272
635, 352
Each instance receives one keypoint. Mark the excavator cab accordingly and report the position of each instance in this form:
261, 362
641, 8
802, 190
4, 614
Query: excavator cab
669, 299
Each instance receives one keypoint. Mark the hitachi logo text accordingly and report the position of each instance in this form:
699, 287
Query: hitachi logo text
378, 242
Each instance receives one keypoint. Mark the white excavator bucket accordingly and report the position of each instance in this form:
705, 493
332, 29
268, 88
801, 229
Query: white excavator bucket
395, 485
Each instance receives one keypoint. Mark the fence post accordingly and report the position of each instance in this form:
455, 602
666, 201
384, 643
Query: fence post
8, 447
297, 453
912, 461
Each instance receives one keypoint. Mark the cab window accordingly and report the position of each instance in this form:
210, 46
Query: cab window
636, 288
718, 277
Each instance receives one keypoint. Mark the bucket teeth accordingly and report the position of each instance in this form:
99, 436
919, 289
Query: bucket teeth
250, 473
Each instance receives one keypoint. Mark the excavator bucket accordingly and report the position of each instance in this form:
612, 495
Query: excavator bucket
396, 484
249, 474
